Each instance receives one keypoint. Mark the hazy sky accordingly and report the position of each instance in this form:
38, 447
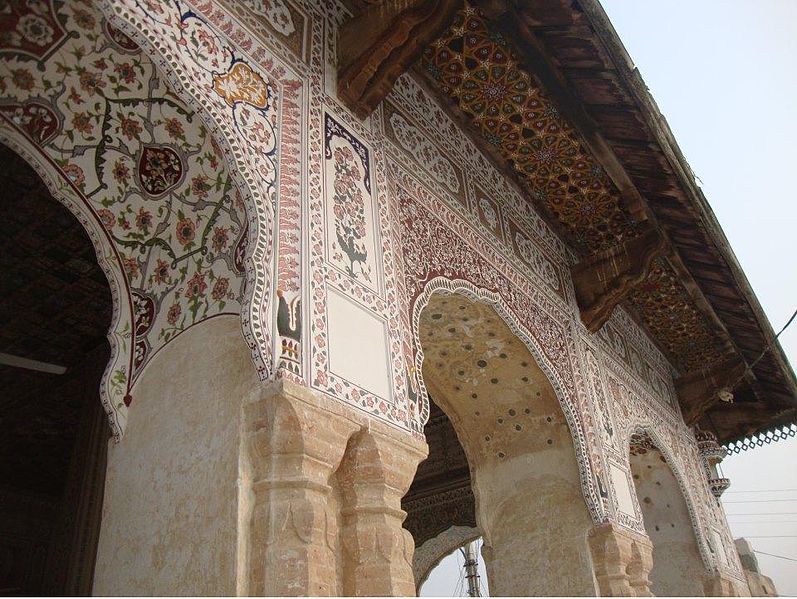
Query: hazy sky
724, 74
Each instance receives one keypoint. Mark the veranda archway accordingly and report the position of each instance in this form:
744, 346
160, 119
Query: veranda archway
55, 310
525, 479
678, 567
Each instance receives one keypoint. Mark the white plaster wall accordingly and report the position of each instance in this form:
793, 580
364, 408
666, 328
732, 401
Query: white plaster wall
677, 566
170, 515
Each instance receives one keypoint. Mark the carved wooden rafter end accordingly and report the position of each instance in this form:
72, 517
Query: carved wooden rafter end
377, 46
700, 390
604, 279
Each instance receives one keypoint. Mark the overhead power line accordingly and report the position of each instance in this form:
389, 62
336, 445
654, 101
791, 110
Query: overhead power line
791, 559
770, 537
759, 500
766, 349
762, 491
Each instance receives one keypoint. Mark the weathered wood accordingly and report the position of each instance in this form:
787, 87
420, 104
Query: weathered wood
605, 278
377, 46
700, 390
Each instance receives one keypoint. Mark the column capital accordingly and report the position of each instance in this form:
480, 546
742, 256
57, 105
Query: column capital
622, 560
375, 474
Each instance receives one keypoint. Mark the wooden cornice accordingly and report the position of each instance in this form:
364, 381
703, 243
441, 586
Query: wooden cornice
700, 390
520, 22
378, 45
511, 19
604, 279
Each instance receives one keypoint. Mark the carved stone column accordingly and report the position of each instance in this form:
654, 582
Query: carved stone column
719, 585
622, 560
294, 447
376, 472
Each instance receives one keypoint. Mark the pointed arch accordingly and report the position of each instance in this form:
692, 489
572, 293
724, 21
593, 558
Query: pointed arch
661, 496
480, 367
207, 83
427, 557
505, 312
658, 439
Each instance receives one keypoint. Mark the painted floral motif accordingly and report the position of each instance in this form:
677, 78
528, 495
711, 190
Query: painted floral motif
533, 256
144, 165
425, 153
349, 210
350, 203
31, 29
488, 212
242, 84
159, 170
276, 13
37, 120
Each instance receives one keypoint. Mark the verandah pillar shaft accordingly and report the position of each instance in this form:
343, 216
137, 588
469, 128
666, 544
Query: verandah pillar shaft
294, 448
327, 483
622, 561
376, 472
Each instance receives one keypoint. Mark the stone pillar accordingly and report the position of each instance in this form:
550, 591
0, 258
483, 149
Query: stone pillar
622, 560
294, 447
376, 473
720, 585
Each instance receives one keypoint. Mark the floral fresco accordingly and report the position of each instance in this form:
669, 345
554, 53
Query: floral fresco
140, 159
350, 222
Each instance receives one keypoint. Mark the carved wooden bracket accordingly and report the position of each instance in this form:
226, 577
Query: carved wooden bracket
377, 46
605, 278
700, 390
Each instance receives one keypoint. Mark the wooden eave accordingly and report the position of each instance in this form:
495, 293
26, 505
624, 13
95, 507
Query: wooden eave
601, 73
572, 49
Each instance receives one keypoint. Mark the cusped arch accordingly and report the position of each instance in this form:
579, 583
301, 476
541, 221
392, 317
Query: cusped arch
505, 312
116, 379
256, 183
657, 437
432, 552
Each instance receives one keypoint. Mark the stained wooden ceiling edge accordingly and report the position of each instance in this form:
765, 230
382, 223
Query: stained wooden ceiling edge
665, 140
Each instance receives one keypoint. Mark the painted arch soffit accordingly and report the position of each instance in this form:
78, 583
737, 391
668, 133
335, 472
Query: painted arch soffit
144, 173
589, 466
238, 101
680, 456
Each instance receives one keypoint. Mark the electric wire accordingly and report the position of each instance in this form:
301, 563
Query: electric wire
766, 349
762, 491
759, 500
791, 559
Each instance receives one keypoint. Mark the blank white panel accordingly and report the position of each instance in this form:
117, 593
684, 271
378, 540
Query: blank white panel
621, 489
357, 345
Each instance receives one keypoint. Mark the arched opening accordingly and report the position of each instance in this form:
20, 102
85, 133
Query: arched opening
55, 310
677, 565
521, 465
459, 572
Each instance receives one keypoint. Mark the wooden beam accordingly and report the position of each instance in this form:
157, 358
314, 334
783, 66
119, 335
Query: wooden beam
605, 279
514, 24
700, 390
377, 46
